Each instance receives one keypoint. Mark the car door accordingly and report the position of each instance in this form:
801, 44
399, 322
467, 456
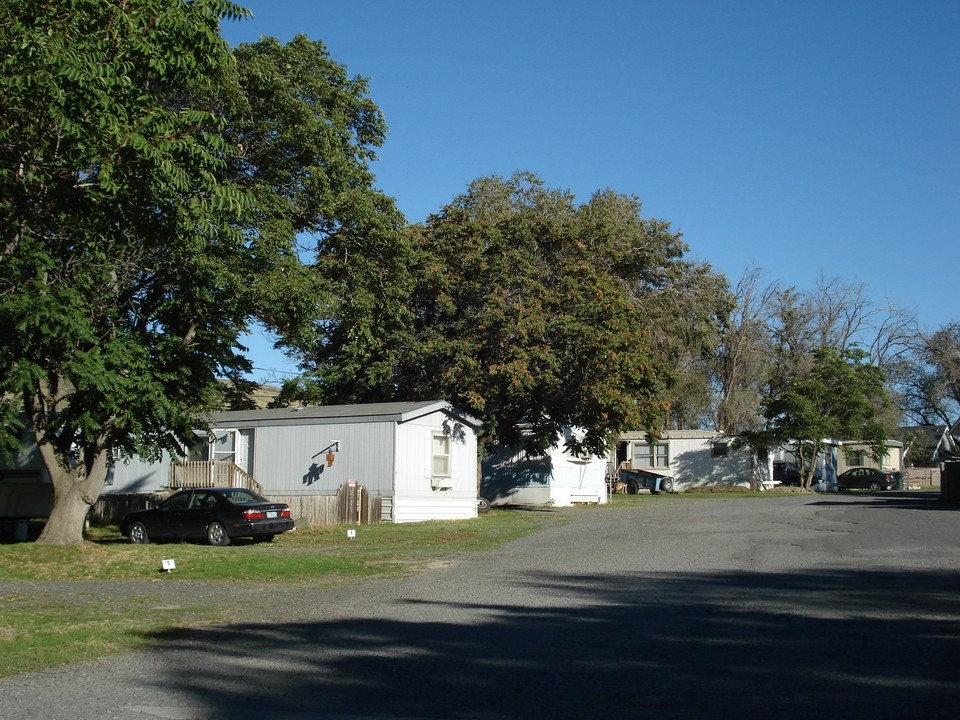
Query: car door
168, 520
861, 478
197, 515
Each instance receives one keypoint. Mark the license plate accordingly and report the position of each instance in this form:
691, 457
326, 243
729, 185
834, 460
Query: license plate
271, 513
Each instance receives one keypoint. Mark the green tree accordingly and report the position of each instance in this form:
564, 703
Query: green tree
525, 309
915, 452
153, 187
840, 397
770, 337
686, 318
123, 273
306, 133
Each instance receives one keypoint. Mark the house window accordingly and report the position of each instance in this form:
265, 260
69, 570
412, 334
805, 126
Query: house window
651, 455
441, 456
855, 458
720, 449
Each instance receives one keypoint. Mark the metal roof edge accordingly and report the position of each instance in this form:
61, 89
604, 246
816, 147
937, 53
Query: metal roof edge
399, 412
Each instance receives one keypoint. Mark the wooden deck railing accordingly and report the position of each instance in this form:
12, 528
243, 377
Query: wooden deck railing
211, 473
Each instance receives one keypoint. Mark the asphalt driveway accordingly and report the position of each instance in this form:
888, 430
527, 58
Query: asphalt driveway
790, 607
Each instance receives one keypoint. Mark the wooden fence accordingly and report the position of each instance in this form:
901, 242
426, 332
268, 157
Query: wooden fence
922, 476
352, 505
112, 508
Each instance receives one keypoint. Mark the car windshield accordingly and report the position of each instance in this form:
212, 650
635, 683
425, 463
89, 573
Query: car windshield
239, 496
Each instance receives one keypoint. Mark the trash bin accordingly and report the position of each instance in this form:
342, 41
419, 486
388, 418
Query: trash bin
950, 481
898, 479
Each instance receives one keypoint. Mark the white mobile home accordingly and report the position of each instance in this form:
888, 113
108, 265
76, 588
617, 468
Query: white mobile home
693, 458
557, 478
418, 458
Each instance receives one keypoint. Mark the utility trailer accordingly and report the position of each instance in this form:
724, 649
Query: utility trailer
635, 480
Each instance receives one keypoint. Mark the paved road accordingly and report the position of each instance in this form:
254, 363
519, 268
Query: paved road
791, 607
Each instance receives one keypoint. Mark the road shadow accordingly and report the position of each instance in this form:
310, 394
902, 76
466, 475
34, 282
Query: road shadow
900, 500
837, 644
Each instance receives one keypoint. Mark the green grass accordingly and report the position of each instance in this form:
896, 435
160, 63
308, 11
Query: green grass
44, 625
40, 631
300, 556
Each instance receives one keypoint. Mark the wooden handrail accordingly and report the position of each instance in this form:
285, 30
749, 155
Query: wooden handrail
211, 473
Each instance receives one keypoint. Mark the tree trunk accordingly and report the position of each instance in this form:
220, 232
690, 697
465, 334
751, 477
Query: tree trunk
74, 493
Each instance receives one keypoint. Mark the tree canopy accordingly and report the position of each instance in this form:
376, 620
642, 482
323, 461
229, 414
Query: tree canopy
770, 338
152, 187
841, 397
930, 382
524, 308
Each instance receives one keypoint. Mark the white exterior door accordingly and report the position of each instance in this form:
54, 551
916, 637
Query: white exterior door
236, 446
224, 446
245, 451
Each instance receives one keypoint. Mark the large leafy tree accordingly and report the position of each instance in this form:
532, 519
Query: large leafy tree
525, 308
306, 133
840, 397
686, 317
123, 275
153, 185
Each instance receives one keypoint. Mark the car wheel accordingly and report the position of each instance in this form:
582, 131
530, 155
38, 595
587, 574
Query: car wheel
874, 486
217, 534
667, 485
633, 487
483, 505
138, 534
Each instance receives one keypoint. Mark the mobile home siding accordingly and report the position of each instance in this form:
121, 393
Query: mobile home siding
416, 498
692, 462
512, 478
284, 460
135, 475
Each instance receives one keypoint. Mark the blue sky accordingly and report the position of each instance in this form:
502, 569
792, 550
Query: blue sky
802, 137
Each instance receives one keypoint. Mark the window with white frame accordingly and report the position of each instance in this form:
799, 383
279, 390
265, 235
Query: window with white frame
651, 455
441, 456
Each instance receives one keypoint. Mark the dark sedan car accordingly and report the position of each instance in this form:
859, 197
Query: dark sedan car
217, 514
866, 478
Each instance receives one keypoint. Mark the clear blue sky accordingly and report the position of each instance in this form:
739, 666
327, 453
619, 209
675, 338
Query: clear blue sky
803, 137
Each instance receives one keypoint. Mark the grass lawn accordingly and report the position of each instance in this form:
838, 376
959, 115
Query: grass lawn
69, 603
